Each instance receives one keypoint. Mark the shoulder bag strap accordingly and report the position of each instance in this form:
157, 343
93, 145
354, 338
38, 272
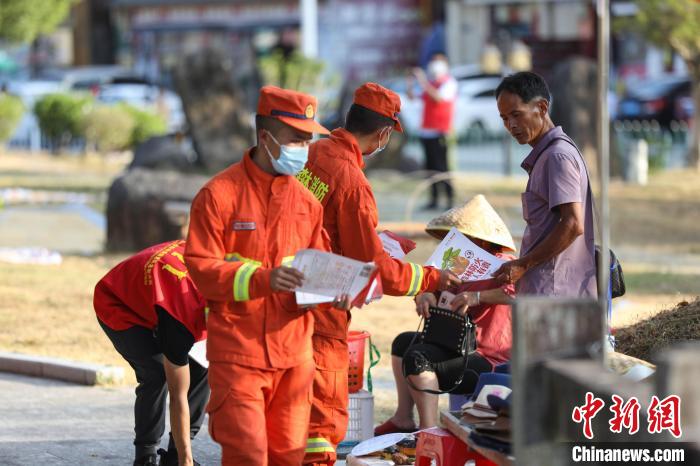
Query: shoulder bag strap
427, 390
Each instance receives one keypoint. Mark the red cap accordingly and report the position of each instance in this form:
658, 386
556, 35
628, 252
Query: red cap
293, 108
381, 100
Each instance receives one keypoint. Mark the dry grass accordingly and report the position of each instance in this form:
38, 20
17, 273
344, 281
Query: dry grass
663, 330
84, 173
661, 216
47, 310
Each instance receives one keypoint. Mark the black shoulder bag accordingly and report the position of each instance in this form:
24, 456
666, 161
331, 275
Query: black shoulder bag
447, 330
617, 278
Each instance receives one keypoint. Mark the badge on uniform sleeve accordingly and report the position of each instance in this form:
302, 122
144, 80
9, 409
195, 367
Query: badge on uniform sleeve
243, 226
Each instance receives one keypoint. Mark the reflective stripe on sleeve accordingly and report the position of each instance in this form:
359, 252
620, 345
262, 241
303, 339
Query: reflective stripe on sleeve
416, 279
236, 257
319, 445
241, 281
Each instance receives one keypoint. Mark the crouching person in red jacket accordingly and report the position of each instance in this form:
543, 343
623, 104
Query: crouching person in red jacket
151, 311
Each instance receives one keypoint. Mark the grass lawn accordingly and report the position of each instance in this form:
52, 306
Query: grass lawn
47, 310
82, 173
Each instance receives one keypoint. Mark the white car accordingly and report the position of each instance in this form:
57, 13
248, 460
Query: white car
145, 97
476, 113
86, 78
476, 110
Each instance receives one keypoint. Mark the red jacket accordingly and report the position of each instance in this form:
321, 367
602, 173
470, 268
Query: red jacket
156, 276
245, 222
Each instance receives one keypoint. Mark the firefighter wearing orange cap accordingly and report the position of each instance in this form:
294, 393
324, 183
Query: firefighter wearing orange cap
334, 176
246, 224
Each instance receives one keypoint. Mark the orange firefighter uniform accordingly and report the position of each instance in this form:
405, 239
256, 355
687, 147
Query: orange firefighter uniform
245, 222
334, 176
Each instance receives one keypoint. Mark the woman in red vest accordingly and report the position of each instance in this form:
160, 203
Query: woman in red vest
439, 96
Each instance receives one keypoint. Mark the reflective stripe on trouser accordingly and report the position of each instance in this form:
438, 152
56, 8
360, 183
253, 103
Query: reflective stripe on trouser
319, 445
416, 279
241, 281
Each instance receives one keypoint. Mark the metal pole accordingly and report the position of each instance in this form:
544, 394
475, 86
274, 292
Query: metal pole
604, 155
309, 27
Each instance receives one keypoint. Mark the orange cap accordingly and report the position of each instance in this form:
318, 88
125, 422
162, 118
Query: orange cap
381, 100
291, 107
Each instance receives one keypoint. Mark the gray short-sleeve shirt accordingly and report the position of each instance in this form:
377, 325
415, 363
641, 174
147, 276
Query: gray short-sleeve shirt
557, 175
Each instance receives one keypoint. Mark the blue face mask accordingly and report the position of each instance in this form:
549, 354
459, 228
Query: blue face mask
291, 160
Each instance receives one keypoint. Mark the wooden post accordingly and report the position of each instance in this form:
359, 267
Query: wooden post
557, 360
678, 373
546, 329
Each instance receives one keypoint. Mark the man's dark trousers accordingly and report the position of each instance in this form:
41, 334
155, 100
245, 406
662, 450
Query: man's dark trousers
139, 347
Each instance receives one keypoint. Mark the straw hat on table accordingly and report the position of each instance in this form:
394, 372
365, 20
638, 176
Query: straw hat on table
476, 219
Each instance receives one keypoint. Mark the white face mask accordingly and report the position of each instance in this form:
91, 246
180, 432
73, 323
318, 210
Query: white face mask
437, 69
291, 160
379, 148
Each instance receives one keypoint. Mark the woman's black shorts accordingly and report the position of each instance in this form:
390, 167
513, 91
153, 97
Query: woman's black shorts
448, 366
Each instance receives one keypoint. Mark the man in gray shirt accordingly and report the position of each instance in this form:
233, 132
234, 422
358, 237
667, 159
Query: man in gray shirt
557, 256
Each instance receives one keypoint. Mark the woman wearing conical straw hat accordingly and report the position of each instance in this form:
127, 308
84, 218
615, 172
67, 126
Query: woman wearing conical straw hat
488, 304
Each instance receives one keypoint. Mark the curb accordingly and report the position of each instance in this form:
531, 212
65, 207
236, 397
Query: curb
60, 369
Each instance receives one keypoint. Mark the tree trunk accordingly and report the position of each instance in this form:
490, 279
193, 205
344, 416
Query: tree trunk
694, 148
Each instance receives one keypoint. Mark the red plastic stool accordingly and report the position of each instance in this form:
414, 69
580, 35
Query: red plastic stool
446, 449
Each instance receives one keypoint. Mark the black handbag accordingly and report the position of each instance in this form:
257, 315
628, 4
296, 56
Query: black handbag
450, 331
617, 278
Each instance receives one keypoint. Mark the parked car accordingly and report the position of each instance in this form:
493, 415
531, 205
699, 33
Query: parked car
146, 97
109, 84
475, 115
85, 78
471, 71
685, 109
656, 99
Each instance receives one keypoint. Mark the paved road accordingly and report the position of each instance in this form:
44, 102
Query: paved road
47, 422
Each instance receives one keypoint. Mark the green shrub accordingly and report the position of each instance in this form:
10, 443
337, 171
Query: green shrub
11, 110
303, 74
61, 116
109, 128
146, 125
294, 72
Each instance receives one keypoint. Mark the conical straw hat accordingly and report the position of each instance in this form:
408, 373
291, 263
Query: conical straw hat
477, 219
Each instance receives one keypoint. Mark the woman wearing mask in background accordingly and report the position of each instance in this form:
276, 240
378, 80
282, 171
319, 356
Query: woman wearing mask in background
439, 95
